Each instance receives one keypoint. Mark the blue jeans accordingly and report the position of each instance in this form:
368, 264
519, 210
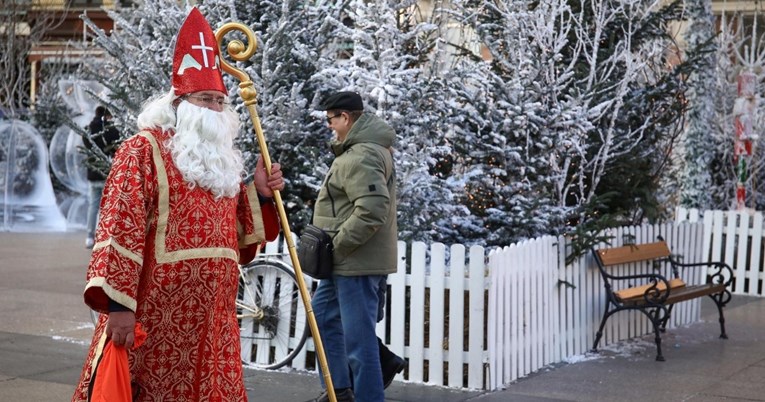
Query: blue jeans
346, 310
95, 189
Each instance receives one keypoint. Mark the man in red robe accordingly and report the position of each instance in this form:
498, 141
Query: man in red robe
176, 220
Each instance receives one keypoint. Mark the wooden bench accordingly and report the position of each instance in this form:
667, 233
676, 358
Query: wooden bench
650, 292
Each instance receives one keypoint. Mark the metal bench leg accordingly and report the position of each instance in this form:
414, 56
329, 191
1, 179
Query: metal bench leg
656, 321
720, 304
599, 334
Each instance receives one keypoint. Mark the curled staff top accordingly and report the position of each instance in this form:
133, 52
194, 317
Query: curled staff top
236, 49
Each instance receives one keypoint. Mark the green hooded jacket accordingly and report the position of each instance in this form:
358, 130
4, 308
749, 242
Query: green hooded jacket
357, 201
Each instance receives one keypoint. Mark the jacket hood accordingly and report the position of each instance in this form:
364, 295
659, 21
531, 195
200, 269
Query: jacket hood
368, 129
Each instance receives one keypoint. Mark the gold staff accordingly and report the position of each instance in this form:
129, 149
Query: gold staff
238, 52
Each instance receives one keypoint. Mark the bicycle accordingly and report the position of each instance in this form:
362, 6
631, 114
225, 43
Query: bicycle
273, 326
272, 320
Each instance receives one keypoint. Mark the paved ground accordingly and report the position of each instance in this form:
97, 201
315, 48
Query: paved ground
44, 330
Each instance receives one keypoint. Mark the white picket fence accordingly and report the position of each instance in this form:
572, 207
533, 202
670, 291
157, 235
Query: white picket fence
435, 317
737, 238
463, 320
542, 311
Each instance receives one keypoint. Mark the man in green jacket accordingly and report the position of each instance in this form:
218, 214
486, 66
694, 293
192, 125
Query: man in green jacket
357, 206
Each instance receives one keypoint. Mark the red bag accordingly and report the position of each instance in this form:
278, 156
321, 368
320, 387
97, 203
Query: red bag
112, 376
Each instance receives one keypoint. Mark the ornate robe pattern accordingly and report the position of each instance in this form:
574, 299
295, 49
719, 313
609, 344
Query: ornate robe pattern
170, 253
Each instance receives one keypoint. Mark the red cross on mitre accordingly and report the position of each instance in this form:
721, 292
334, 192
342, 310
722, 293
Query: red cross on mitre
196, 63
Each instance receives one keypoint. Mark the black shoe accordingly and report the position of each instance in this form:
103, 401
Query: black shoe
390, 367
390, 363
342, 395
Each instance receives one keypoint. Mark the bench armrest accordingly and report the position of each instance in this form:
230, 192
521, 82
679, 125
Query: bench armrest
636, 291
722, 274
655, 291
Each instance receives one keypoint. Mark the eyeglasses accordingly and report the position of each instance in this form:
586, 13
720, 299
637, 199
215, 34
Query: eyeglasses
209, 100
329, 118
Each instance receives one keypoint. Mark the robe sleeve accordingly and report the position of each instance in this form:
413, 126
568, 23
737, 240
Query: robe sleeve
256, 222
117, 259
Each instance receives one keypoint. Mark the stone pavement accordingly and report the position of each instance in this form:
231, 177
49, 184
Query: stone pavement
45, 329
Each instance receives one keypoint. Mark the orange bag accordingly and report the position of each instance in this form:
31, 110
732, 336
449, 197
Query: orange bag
112, 377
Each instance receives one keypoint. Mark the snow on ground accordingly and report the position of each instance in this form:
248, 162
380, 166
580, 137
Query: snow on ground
76, 341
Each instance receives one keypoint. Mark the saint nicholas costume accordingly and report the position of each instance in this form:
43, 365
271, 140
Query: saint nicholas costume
169, 252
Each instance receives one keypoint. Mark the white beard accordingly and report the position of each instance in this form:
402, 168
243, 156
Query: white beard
203, 149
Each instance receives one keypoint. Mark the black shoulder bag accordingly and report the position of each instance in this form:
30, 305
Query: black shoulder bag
315, 252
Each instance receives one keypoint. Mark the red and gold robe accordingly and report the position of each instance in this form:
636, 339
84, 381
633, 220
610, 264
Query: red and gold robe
169, 253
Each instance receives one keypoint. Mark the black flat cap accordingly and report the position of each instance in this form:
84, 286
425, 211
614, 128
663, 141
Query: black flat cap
343, 101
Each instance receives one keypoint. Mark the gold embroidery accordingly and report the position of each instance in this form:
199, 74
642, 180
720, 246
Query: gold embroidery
257, 217
120, 249
112, 293
99, 352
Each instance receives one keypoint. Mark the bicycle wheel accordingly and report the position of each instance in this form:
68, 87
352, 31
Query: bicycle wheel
272, 320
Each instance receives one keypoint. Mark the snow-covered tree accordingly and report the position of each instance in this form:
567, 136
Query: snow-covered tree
657, 104
698, 155
635, 100
508, 144
388, 51
580, 107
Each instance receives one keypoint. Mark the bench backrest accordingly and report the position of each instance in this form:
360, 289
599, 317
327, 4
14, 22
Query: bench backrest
632, 253
624, 290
